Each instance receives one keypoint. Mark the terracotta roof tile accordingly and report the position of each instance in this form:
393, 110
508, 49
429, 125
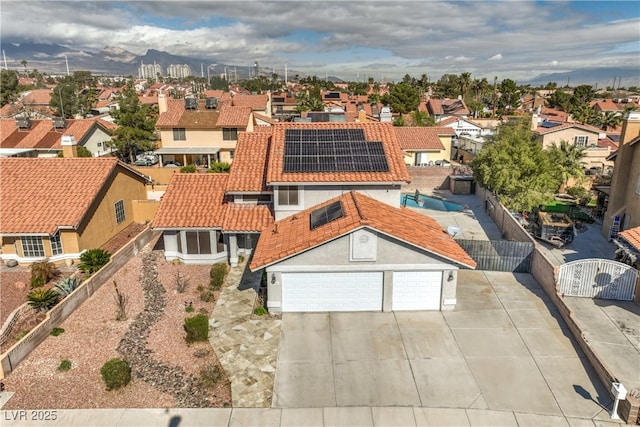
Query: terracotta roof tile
42, 135
38, 195
249, 163
543, 131
193, 200
421, 138
256, 102
382, 132
293, 235
37, 96
246, 218
632, 236
170, 118
236, 117
264, 118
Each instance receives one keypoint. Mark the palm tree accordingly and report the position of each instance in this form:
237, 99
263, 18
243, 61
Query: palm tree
465, 83
583, 114
609, 119
24, 64
568, 158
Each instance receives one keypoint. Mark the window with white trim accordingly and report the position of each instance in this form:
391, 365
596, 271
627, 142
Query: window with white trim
120, 216
56, 244
580, 140
288, 195
179, 134
32, 246
198, 242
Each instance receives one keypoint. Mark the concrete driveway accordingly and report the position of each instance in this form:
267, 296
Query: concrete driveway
503, 348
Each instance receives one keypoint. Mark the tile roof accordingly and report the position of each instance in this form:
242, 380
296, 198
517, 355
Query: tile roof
383, 132
170, 118
38, 195
292, 235
256, 102
264, 118
192, 200
197, 200
632, 236
543, 131
236, 117
42, 135
446, 106
37, 96
421, 138
606, 105
246, 218
248, 172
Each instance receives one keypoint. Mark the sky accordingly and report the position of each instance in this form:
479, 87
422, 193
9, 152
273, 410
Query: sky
350, 39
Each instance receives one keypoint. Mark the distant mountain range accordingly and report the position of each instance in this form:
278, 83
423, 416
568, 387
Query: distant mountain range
50, 58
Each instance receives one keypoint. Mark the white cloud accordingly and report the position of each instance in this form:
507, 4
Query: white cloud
496, 57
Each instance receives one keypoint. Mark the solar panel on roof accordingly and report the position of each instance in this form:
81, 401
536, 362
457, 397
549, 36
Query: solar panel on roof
326, 214
546, 124
332, 150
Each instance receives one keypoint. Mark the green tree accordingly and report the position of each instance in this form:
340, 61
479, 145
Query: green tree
568, 159
448, 86
64, 100
465, 83
514, 165
509, 95
402, 98
583, 94
583, 114
24, 64
136, 125
421, 118
608, 120
562, 100
8, 86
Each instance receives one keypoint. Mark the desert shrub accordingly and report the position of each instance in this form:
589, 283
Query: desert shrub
197, 328
207, 296
260, 311
42, 299
210, 375
42, 272
116, 373
188, 307
188, 169
218, 167
181, 282
56, 331
67, 285
93, 260
64, 366
217, 273
22, 334
121, 302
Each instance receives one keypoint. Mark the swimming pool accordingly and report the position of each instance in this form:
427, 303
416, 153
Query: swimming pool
427, 202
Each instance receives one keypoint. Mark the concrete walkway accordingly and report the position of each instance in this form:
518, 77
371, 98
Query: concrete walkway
247, 348
349, 416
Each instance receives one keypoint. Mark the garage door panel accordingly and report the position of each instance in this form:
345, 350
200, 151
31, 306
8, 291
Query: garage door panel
338, 291
416, 290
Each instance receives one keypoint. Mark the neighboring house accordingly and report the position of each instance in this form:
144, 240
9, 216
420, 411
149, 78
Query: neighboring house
259, 103
56, 208
441, 109
354, 253
597, 146
624, 195
199, 132
36, 102
628, 243
425, 146
23, 137
606, 106
283, 106
202, 226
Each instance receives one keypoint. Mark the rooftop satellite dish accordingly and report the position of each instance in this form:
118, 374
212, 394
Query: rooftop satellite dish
453, 230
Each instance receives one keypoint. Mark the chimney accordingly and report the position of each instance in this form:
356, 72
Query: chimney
69, 146
163, 106
535, 119
630, 127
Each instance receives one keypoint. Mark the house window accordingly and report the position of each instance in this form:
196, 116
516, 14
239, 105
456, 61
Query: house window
99, 144
119, 211
288, 195
229, 134
580, 140
231, 154
32, 246
179, 134
56, 244
198, 242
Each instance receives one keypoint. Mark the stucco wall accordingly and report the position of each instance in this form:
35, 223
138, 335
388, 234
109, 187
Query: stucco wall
144, 210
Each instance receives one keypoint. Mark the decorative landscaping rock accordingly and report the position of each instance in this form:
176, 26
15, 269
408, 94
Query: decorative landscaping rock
11, 263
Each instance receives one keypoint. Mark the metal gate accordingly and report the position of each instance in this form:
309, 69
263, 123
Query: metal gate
598, 278
499, 255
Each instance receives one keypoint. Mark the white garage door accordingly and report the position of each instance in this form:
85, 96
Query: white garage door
331, 292
416, 290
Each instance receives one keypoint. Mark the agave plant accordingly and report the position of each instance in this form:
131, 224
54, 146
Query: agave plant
67, 285
93, 260
42, 299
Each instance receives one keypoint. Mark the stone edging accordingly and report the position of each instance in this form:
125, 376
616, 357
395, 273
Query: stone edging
5, 332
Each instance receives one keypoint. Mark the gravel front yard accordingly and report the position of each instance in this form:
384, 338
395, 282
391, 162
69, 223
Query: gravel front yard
91, 337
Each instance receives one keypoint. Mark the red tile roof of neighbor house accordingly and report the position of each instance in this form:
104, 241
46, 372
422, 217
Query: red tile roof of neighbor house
562, 126
37, 96
632, 236
256, 102
446, 106
236, 117
43, 135
607, 105
249, 163
293, 235
170, 118
197, 200
422, 138
264, 118
383, 132
39, 195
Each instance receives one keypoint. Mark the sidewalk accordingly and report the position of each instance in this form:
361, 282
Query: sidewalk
345, 416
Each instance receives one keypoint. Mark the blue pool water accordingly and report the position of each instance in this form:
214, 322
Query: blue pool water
427, 202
